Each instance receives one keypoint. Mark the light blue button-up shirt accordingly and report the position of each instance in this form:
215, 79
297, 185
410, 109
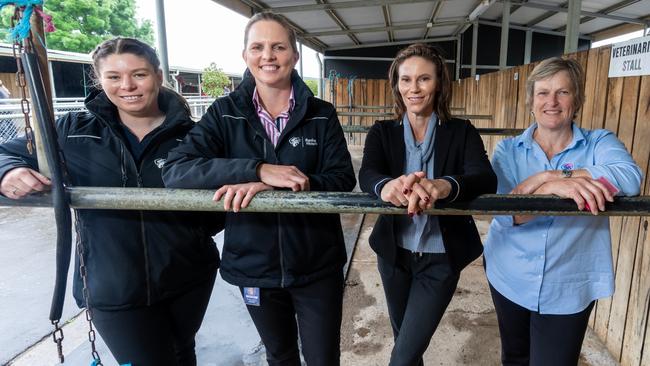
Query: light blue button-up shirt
556, 264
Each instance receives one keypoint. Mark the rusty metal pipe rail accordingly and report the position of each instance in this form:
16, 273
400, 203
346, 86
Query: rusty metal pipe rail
321, 202
391, 115
482, 131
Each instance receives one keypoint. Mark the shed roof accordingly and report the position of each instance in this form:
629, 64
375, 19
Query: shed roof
339, 24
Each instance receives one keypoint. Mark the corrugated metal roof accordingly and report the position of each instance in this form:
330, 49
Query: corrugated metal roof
330, 24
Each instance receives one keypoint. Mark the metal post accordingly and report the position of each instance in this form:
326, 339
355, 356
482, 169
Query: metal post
200, 84
458, 55
300, 60
505, 28
38, 38
51, 75
572, 27
528, 47
162, 39
321, 78
474, 46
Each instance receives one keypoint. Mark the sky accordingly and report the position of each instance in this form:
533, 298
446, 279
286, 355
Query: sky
200, 32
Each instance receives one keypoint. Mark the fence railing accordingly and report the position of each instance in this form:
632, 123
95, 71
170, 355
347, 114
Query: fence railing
12, 120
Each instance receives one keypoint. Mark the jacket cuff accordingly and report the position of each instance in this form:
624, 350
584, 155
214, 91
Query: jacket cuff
379, 186
455, 188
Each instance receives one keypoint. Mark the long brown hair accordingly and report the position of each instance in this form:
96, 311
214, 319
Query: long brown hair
443, 95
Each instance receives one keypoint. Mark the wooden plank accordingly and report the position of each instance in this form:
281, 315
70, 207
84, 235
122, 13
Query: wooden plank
636, 322
629, 236
613, 109
600, 100
591, 78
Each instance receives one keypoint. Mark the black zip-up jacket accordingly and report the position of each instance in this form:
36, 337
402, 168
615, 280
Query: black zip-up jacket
459, 157
227, 145
133, 258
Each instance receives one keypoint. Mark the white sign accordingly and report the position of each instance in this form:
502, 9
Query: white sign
630, 58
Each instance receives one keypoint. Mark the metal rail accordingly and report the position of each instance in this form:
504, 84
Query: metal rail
482, 131
390, 115
322, 202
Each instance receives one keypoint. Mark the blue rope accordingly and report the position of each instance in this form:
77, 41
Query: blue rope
21, 30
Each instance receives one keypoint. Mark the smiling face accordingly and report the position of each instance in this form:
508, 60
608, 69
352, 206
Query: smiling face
553, 102
269, 55
418, 86
131, 83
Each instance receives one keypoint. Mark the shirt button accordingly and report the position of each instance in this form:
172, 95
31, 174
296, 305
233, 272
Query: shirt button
543, 235
539, 276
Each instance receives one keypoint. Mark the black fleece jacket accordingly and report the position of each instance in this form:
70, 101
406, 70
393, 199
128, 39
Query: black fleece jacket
226, 146
134, 258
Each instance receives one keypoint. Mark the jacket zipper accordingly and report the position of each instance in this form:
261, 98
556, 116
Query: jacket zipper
281, 254
143, 234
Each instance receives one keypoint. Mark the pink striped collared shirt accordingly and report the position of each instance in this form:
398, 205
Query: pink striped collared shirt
273, 127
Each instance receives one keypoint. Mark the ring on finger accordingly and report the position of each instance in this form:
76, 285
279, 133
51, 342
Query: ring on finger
14, 191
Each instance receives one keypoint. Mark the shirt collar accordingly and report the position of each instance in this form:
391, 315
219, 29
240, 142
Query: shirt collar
259, 108
526, 138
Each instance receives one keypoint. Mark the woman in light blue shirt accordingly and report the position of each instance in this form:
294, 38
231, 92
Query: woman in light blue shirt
545, 272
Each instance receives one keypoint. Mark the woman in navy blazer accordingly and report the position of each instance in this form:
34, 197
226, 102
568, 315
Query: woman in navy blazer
422, 157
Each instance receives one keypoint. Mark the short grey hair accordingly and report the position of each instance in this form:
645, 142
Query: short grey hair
552, 66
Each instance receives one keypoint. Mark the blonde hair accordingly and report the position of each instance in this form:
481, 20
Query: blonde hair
548, 68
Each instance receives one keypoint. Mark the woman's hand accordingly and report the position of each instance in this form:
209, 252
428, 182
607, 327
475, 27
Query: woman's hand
584, 191
397, 191
20, 182
532, 183
283, 176
238, 196
425, 193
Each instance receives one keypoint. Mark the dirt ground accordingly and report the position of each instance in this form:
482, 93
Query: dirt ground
467, 335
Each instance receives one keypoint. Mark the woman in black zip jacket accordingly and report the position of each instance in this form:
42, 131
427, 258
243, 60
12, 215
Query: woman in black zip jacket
272, 133
149, 273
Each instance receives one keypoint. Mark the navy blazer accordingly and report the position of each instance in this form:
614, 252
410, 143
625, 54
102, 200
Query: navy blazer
459, 155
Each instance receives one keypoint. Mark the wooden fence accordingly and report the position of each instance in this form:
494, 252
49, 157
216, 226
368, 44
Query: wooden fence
621, 105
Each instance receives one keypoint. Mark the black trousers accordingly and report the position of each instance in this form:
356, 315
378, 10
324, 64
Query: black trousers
531, 338
317, 307
418, 289
161, 334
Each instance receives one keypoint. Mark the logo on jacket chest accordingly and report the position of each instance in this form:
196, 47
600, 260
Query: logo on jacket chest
160, 162
295, 141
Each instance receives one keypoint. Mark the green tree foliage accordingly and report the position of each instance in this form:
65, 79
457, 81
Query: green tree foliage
214, 81
82, 24
313, 85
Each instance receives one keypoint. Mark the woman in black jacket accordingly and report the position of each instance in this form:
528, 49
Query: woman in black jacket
271, 133
422, 157
149, 273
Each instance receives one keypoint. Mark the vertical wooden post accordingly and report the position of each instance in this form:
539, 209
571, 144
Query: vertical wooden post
38, 42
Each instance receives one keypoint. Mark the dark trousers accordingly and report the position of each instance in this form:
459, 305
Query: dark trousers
531, 338
317, 307
161, 334
418, 289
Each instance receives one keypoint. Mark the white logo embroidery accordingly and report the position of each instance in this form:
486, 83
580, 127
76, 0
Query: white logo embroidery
160, 163
295, 141
311, 142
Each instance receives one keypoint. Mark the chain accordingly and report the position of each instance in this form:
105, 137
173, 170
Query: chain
20, 81
97, 361
57, 336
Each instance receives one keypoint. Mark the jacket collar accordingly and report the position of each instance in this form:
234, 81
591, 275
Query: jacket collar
243, 99
98, 104
442, 140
